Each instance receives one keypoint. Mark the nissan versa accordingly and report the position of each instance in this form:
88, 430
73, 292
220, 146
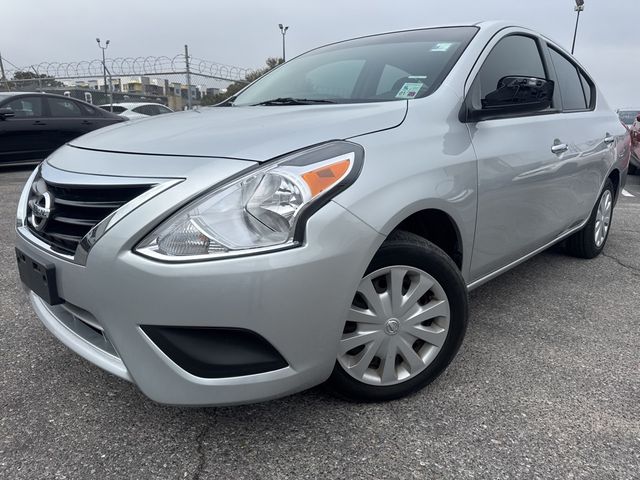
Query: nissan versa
327, 222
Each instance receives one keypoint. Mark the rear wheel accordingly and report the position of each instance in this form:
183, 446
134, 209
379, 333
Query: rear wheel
590, 241
406, 322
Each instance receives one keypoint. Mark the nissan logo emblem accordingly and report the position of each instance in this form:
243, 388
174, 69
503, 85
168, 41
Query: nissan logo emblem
41, 208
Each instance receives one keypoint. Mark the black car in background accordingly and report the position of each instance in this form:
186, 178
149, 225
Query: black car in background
33, 125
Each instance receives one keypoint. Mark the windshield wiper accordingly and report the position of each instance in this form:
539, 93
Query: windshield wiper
293, 101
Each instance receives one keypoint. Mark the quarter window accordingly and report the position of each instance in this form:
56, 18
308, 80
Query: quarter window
588, 91
570, 83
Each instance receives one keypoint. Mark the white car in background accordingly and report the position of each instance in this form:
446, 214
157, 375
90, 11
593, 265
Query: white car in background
134, 110
628, 116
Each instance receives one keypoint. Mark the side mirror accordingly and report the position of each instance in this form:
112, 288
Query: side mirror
515, 95
6, 113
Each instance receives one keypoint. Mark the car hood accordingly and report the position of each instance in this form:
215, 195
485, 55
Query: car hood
248, 133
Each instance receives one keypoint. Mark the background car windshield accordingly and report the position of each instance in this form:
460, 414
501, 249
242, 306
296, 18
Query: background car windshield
395, 66
628, 116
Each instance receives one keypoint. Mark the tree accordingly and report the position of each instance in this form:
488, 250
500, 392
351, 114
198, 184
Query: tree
235, 87
31, 80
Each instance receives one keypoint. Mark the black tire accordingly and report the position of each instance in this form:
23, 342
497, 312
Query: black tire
582, 244
633, 170
403, 248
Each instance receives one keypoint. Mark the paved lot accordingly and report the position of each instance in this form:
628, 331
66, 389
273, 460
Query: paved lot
547, 385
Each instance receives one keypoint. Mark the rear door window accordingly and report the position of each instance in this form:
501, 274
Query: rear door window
570, 83
88, 111
116, 109
152, 109
63, 107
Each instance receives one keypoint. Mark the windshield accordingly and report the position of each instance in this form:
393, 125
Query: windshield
628, 116
388, 67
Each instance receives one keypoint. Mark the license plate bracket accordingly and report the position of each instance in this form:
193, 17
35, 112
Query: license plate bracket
40, 278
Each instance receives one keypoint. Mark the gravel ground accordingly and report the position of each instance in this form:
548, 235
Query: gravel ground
546, 385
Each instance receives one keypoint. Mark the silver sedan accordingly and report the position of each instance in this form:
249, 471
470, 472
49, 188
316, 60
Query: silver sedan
326, 223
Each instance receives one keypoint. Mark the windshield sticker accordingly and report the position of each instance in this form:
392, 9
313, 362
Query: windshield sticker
409, 90
441, 47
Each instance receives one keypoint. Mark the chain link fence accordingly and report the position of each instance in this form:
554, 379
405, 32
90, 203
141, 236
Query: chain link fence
179, 82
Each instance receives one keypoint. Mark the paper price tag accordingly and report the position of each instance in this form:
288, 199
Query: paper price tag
409, 90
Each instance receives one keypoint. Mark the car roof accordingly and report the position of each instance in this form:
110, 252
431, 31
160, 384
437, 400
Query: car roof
8, 94
44, 94
5, 95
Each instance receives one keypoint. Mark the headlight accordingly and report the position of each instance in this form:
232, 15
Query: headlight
261, 211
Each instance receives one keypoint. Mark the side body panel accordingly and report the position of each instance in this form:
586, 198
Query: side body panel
427, 163
528, 196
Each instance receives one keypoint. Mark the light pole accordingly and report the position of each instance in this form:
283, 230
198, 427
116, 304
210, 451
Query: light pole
283, 30
579, 8
104, 65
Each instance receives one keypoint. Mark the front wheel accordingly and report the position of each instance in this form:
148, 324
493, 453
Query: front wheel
591, 239
406, 322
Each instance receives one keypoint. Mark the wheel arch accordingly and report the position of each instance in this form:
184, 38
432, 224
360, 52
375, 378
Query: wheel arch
419, 220
614, 176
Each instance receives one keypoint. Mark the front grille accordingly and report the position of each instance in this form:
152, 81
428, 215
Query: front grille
73, 210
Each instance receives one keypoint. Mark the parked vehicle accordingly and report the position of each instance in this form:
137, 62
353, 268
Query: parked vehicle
33, 125
328, 222
634, 131
628, 116
134, 110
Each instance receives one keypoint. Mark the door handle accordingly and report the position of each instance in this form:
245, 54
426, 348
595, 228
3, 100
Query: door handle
86, 122
559, 148
609, 139
38, 122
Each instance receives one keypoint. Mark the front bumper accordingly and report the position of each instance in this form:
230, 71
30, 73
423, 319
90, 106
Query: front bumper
296, 299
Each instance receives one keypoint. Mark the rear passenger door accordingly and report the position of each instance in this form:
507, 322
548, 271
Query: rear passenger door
94, 118
66, 120
590, 133
527, 162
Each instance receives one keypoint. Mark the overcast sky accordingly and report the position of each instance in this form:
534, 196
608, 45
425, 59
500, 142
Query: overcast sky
245, 33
